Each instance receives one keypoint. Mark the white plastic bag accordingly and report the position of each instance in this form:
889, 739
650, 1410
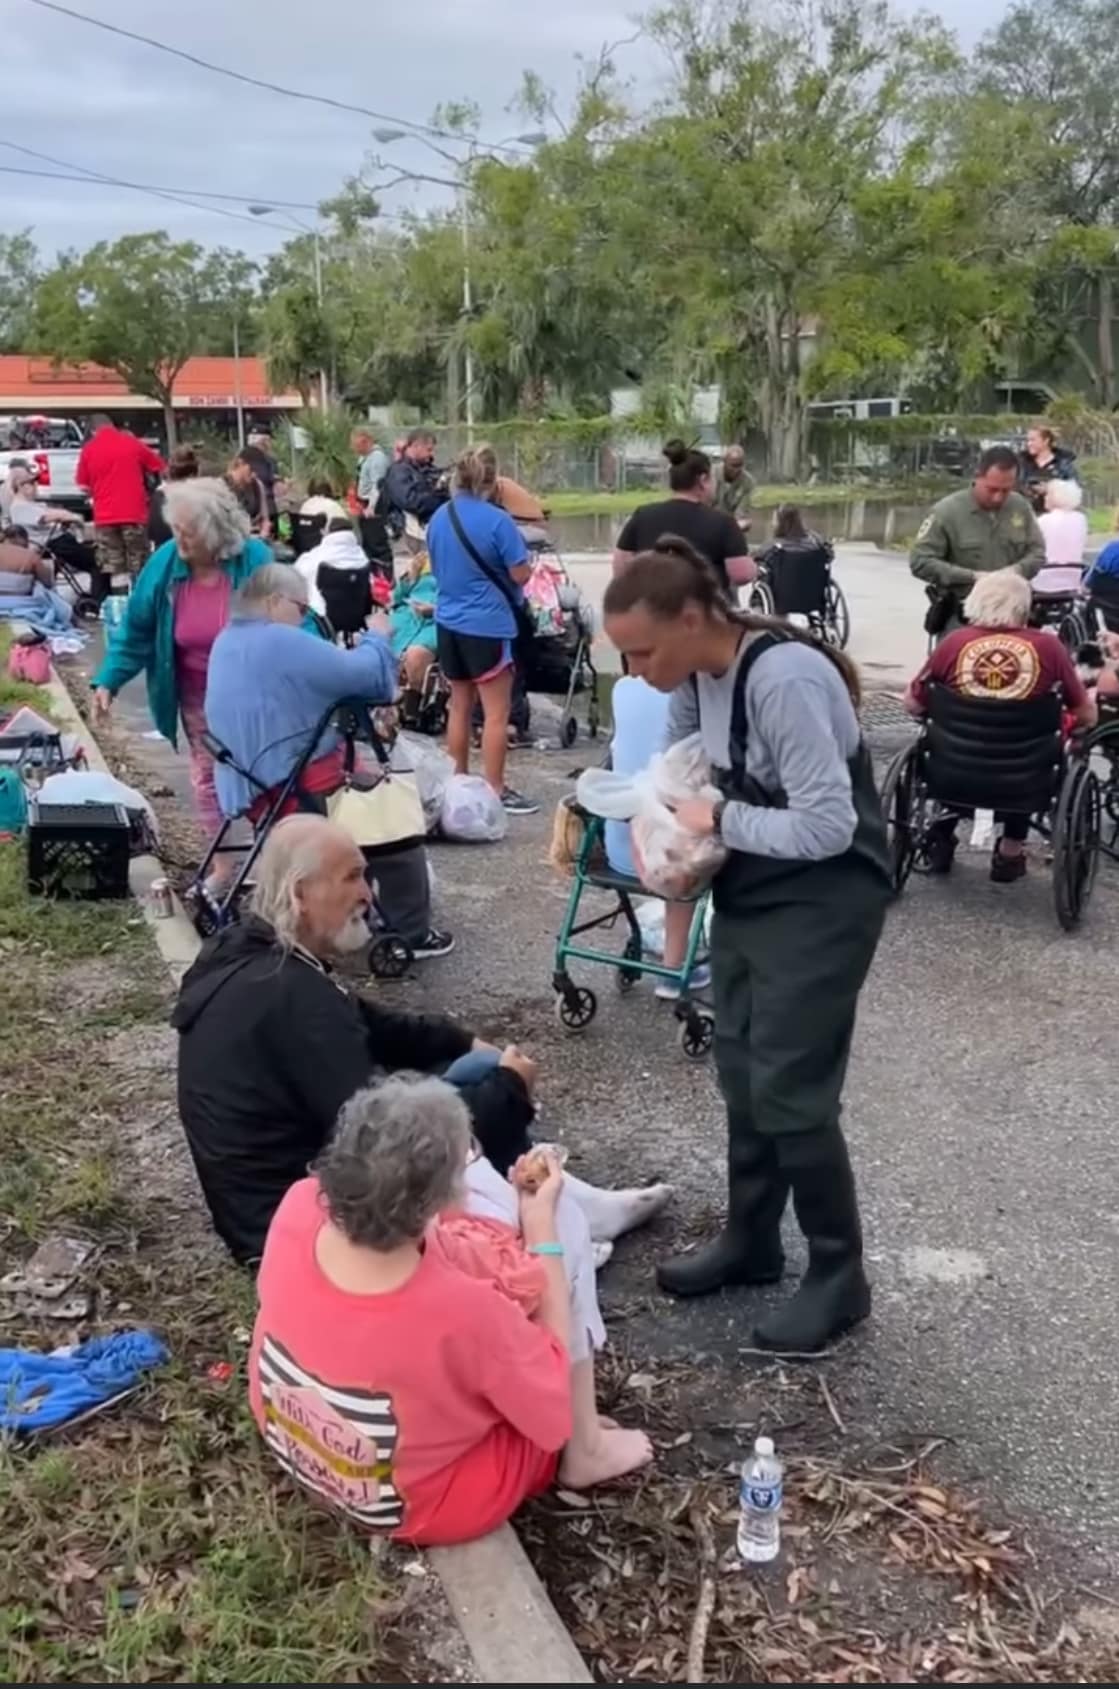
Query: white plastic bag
472, 811
92, 786
670, 860
433, 769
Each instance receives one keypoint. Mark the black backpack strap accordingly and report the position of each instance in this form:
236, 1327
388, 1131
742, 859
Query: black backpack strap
494, 576
743, 783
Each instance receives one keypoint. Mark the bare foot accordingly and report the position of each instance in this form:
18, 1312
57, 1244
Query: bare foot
614, 1453
607, 1423
601, 1253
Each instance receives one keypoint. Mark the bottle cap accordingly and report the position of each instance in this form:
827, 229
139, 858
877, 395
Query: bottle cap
764, 1447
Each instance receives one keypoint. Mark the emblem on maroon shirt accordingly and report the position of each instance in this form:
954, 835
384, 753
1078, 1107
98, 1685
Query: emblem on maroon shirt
998, 664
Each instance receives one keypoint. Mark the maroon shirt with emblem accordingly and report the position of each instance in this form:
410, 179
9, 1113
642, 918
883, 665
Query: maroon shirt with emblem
1010, 663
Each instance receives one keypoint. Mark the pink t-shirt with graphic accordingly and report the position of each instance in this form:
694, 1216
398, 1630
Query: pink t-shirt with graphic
201, 611
430, 1412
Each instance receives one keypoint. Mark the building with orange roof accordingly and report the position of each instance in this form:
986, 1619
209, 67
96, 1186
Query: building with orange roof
31, 385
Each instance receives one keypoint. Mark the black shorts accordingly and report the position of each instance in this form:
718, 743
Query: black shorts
471, 656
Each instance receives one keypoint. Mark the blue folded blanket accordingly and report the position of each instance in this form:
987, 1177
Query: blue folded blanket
38, 1392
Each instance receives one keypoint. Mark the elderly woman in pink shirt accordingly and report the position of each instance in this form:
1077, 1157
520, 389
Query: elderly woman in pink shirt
1065, 528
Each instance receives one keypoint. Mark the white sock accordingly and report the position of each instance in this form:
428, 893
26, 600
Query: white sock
610, 1213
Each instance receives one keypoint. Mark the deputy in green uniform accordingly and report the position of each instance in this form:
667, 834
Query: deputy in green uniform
732, 486
983, 527
799, 906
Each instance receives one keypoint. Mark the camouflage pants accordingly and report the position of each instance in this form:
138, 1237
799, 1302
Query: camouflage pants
122, 548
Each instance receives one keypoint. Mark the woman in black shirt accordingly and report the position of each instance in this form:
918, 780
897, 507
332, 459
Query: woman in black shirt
688, 513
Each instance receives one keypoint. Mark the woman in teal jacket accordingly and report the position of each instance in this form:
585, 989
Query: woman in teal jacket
412, 622
177, 608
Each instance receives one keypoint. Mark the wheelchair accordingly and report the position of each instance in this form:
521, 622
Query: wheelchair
577, 1005
1009, 756
1067, 614
390, 956
804, 588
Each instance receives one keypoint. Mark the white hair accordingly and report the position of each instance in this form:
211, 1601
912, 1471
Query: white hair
999, 599
292, 855
1064, 495
208, 506
271, 580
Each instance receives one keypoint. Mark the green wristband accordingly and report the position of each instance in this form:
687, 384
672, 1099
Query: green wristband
545, 1248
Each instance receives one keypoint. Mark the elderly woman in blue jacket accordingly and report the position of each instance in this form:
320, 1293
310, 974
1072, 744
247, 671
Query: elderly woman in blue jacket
273, 681
177, 608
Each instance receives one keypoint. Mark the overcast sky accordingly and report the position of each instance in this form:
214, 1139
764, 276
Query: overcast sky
110, 105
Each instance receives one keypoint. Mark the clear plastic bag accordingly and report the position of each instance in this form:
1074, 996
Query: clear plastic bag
433, 769
472, 811
670, 860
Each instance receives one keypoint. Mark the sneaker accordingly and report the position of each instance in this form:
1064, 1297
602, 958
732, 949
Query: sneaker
434, 943
668, 990
515, 804
1006, 869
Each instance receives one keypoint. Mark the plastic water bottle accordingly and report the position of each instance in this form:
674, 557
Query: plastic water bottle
759, 1519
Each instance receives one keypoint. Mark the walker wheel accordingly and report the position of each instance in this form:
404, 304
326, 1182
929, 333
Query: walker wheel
569, 731
389, 957
697, 1034
576, 1008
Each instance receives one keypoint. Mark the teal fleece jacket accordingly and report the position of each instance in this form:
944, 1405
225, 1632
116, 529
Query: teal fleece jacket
145, 638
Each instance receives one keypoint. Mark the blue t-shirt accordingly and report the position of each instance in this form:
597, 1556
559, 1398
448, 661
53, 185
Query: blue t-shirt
468, 601
640, 731
1107, 563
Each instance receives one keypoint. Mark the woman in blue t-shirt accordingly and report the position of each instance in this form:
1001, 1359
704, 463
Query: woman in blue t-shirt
480, 563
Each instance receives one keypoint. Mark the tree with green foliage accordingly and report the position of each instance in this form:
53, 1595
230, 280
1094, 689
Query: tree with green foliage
20, 273
139, 306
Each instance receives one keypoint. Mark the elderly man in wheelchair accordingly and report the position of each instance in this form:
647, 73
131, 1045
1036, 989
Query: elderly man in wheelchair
1000, 702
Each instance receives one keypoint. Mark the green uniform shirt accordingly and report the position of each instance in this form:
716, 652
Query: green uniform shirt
733, 497
958, 540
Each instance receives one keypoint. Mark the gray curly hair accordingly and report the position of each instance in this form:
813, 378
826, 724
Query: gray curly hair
209, 507
395, 1160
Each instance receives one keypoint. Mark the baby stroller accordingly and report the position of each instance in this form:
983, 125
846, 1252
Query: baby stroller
389, 956
559, 661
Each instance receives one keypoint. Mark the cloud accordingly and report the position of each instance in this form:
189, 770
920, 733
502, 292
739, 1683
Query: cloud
125, 110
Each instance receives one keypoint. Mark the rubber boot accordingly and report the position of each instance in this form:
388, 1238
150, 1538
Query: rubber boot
748, 1249
833, 1294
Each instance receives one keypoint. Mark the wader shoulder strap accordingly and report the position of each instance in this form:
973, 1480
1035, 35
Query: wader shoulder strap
744, 785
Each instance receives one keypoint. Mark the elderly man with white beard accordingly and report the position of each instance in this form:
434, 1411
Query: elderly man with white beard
272, 1045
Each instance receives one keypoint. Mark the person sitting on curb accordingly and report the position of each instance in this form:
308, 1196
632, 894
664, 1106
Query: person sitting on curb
424, 1347
271, 1045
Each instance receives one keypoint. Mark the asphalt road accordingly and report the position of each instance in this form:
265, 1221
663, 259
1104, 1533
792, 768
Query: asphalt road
978, 1110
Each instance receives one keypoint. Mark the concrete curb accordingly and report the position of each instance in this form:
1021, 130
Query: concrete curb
510, 1626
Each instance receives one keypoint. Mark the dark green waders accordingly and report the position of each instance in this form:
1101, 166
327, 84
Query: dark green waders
791, 946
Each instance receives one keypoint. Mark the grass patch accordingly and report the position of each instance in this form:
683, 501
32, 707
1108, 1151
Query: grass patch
156, 1543
765, 497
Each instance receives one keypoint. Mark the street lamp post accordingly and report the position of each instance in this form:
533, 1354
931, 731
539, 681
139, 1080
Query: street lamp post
463, 167
316, 236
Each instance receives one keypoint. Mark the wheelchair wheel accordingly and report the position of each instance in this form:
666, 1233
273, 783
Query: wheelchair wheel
697, 1034
627, 977
901, 813
837, 617
1076, 844
759, 599
576, 1007
1072, 631
389, 957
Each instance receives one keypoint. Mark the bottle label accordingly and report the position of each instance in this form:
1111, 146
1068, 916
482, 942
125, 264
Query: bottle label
761, 1498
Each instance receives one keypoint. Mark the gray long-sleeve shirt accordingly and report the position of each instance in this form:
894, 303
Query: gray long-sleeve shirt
802, 732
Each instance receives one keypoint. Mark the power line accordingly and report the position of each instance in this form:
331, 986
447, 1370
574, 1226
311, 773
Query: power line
252, 81
176, 196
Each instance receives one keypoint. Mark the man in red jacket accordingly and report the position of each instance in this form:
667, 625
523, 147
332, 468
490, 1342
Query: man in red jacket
111, 468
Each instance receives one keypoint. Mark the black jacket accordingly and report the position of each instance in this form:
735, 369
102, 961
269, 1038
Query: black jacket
1033, 478
412, 489
271, 1047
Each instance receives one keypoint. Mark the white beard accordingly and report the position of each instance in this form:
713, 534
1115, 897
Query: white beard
352, 937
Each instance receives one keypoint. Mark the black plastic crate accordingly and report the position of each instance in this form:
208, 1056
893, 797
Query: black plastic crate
77, 850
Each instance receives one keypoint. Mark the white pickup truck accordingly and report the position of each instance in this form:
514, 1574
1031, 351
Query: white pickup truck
54, 446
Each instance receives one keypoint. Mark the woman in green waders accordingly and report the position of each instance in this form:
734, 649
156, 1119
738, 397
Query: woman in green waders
799, 907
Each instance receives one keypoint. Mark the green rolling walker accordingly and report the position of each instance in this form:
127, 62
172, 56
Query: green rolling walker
577, 1005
